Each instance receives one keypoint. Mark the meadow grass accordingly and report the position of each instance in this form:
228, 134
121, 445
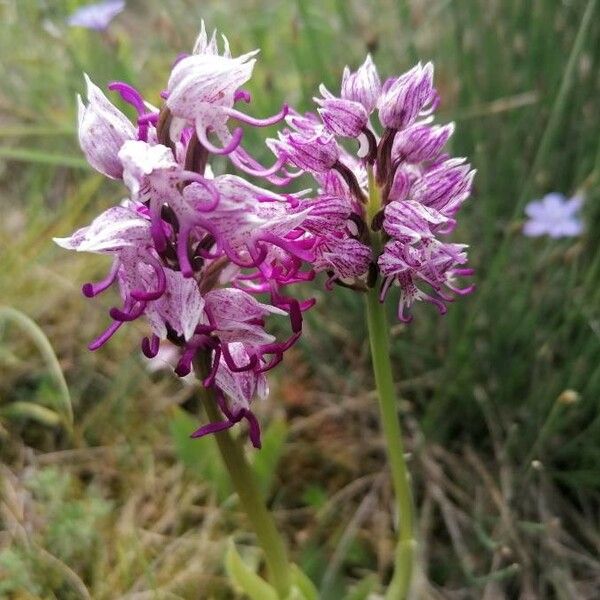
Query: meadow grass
500, 397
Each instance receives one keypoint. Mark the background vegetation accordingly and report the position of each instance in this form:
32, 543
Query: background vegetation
500, 398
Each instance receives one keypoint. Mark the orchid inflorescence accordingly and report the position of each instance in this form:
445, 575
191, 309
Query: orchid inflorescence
192, 250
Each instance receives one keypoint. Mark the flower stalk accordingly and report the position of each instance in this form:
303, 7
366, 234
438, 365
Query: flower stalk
380, 357
251, 498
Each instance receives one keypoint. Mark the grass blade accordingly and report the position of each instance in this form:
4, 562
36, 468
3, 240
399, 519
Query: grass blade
39, 157
33, 331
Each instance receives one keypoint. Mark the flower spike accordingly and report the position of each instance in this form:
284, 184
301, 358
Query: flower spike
190, 250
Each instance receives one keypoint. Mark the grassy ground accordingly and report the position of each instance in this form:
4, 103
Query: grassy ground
500, 398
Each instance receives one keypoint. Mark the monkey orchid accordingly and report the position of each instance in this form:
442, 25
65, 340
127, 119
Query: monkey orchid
209, 261
403, 192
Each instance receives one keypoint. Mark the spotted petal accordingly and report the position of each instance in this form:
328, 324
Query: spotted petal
116, 228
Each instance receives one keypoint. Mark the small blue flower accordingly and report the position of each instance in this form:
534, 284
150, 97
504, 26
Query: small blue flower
554, 215
96, 16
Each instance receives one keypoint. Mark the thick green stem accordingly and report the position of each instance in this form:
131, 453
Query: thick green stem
252, 501
380, 356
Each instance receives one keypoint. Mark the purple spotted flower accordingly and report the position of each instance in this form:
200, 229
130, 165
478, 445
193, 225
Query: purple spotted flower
362, 86
400, 172
189, 250
555, 216
103, 129
96, 16
211, 261
201, 93
405, 98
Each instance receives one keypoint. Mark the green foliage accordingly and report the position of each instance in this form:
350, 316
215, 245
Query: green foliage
199, 455
70, 527
255, 587
71, 523
265, 462
245, 579
60, 401
16, 575
315, 496
304, 587
363, 589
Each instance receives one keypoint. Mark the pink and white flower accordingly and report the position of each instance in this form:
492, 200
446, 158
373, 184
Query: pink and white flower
407, 97
363, 86
103, 129
190, 251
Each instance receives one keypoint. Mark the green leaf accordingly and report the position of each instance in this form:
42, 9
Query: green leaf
265, 462
315, 496
32, 330
245, 579
29, 410
29, 155
363, 589
24, 130
303, 584
199, 455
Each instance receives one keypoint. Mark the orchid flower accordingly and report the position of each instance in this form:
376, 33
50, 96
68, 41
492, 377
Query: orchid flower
422, 188
190, 250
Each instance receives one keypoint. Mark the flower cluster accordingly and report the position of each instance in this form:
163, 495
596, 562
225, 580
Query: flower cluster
418, 187
193, 252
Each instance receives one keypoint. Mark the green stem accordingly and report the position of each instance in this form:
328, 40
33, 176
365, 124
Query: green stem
382, 369
252, 501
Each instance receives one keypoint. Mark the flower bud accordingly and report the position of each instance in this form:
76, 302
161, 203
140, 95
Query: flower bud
206, 78
343, 117
409, 221
103, 129
362, 86
421, 142
401, 184
317, 154
405, 97
445, 186
347, 258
